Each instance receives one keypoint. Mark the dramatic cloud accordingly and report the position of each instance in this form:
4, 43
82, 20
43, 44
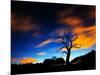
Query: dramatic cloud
27, 60
41, 53
23, 23
44, 43
81, 22
86, 35
69, 17
77, 16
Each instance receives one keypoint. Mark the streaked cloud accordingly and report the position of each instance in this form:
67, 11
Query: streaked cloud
87, 36
42, 44
41, 53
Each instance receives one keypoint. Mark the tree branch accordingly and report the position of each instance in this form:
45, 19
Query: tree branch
62, 42
61, 47
75, 37
65, 52
76, 45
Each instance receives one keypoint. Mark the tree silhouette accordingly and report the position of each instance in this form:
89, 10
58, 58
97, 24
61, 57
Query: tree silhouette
67, 40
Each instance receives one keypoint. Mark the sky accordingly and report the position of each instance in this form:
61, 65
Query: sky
35, 27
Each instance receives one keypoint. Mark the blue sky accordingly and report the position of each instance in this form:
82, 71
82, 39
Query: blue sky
35, 27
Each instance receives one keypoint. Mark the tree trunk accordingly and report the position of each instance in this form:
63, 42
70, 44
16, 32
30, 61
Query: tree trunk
68, 56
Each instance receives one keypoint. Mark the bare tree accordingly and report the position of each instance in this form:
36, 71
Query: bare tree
67, 41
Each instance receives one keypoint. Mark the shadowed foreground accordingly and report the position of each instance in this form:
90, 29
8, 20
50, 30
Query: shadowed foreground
86, 62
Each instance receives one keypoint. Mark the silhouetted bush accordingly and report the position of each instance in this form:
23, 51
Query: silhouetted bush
49, 61
54, 61
60, 61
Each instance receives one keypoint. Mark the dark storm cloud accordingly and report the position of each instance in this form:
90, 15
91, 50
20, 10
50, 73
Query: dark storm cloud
77, 16
92, 12
23, 23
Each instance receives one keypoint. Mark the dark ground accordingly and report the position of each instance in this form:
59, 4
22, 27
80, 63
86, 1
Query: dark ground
86, 62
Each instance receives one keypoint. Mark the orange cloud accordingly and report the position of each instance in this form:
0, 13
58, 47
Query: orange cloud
72, 21
68, 17
27, 60
87, 36
23, 23
77, 23
74, 17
